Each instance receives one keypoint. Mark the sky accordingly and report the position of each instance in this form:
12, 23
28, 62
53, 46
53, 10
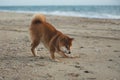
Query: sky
58, 2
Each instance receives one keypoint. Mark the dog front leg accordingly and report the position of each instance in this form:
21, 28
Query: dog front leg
52, 53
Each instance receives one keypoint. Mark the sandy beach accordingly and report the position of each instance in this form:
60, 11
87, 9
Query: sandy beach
97, 45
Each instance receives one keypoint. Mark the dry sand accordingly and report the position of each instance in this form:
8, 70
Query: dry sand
97, 44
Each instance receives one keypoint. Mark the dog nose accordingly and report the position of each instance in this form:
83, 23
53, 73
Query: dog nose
69, 53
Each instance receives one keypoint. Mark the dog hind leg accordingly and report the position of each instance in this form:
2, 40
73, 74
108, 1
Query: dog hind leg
34, 44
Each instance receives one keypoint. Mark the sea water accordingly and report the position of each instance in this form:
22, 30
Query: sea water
109, 12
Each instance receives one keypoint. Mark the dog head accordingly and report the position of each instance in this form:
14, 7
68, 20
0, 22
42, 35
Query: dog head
65, 44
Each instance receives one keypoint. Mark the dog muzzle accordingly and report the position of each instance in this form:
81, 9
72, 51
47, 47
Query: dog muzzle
65, 50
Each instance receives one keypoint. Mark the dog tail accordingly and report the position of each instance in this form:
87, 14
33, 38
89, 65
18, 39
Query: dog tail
38, 18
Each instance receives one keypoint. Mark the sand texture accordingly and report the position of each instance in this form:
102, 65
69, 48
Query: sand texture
97, 45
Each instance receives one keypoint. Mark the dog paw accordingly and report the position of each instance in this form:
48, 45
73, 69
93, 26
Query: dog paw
56, 60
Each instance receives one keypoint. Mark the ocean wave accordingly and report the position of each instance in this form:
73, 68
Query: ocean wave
71, 13
78, 14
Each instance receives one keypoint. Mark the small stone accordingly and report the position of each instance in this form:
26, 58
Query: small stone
77, 66
31, 60
86, 71
110, 60
87, 37
73, 74
116, 51
109, 46
41, 57
81, 47
49, 75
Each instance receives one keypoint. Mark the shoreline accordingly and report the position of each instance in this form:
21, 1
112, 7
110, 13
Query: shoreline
23, 12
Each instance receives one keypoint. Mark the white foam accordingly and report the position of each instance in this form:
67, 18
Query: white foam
74, 14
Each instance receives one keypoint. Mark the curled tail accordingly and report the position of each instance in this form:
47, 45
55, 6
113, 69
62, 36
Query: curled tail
38, 18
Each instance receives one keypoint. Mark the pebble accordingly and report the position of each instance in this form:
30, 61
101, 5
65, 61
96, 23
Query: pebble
73, 74
116, 51
49, 75
109, 46
41, 57
86, 71
81, 47
110, 60
77, 66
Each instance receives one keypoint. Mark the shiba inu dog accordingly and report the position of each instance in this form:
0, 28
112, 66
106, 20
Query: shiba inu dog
53, 40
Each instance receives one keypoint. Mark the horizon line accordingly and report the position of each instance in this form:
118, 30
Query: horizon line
67, 5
